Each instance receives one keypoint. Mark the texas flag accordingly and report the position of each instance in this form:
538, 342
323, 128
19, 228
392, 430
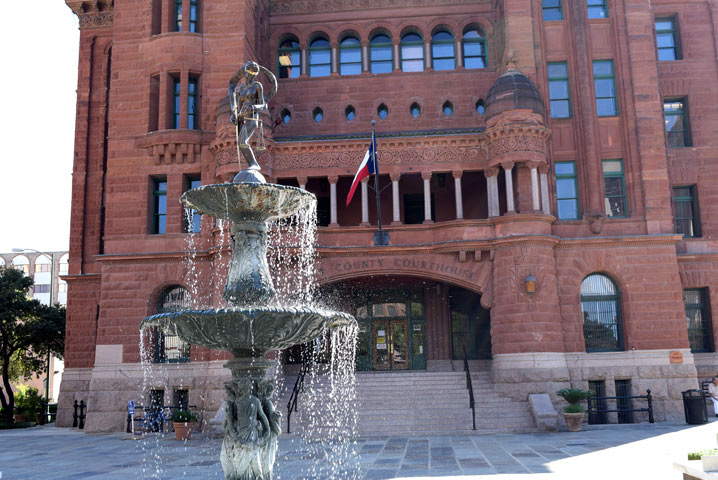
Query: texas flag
367, 167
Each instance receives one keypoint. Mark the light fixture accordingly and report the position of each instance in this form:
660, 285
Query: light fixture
530, 285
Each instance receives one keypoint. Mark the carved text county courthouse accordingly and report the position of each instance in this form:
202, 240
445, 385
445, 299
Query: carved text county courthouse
550, 171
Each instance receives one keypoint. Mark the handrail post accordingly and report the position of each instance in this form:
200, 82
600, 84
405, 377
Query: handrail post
649, 397
74, 414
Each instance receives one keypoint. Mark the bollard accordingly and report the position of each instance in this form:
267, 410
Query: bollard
129, 423
650, 406
43, 413
83, 406
74, 415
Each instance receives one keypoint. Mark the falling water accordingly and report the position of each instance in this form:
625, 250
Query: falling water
189, 260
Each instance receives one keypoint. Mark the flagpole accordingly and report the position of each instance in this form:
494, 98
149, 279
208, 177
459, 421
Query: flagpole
380, 238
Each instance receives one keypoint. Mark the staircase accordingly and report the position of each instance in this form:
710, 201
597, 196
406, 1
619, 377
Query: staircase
415, 403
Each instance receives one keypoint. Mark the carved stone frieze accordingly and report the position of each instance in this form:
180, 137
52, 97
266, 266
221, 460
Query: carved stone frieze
93, 14
450, 155
304, 6
516, 143
96, 20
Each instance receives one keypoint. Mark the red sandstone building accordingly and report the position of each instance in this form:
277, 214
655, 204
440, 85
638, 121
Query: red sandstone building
550, 191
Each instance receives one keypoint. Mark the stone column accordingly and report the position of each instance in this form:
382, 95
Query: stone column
396, 217
459, 53
426, 176
364, 202
535, 200
185, 15
508, 167
335, 64
163, 115
302, 181
397, 59
333, 201
458, 195
545, 202
492, 190
427, 55
303, 71
364, 57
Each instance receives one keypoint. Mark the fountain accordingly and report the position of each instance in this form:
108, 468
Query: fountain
253, 325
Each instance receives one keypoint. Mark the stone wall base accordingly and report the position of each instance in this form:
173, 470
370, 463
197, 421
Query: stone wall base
518, 375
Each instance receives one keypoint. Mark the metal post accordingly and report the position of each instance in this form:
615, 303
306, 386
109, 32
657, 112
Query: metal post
83, 405
74, 415
650, 406
380, 237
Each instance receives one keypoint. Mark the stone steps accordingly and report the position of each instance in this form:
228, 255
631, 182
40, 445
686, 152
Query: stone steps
414, 403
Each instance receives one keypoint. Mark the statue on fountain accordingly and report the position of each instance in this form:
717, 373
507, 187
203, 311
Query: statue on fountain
248, 102
251, 429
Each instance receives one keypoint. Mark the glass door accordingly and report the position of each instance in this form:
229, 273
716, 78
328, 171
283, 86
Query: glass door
398, 346
381, 344
390, 345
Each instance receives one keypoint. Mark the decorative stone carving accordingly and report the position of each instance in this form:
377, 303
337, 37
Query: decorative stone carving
304, 6
93, 14
516, 143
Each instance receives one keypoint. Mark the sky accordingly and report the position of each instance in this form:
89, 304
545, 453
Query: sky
37, 127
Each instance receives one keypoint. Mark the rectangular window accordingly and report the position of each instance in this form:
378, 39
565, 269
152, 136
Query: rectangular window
604, 81
159, 206
614, 189
566, 191
178, 15
666, 39
678, 133
558, 90
597, 9
193, 15
192, 103
192, 219
45, 288
552, 10
685, 205
697, 319
624, 404
175, 102
42, 267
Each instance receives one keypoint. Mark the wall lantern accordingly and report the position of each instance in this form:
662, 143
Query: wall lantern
530, 285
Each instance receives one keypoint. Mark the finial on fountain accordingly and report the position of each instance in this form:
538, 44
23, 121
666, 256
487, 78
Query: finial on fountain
248, 102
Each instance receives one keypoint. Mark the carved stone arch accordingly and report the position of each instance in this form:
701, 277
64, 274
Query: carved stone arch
321, 32
442, 23
412, 27
483, 24
159, 290
285, 34
403, 273
385, 28
350, 30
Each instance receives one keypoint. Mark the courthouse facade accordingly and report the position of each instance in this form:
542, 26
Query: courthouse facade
548, 170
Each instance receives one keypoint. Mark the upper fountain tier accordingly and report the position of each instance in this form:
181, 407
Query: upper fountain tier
248, 202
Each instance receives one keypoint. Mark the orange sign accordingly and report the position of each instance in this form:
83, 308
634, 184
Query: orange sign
676, 357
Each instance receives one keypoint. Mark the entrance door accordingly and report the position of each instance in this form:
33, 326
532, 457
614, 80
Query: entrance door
389, 344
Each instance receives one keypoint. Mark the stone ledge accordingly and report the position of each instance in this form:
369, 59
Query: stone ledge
693, 470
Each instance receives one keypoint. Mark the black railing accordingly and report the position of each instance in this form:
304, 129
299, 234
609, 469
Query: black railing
621, 401
47, 415
294, 397
470, 387
78, 415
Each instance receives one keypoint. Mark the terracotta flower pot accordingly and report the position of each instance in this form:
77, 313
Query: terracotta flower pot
183, 430
574, 421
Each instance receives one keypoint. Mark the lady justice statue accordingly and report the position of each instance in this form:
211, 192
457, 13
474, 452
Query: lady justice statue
248, 101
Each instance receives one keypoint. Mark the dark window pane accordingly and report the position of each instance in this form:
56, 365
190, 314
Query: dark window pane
665, 40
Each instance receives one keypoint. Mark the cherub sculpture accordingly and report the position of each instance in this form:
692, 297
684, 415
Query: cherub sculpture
248, 101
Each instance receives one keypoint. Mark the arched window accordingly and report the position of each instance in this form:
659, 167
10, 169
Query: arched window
170, 348
474, 49
601, 311
350, 113
350, 56
442, 51
412, 53
415, 110
289, 59
381, 54
2, 262
22, 263
320, 58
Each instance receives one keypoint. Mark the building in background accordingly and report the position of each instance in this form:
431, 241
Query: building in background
549, 194
46, 270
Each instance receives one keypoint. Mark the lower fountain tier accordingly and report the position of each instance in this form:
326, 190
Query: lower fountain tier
249, 332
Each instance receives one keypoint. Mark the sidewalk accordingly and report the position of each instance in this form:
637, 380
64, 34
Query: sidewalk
613, 452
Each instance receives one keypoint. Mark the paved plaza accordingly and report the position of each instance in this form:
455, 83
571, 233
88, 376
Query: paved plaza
612, 452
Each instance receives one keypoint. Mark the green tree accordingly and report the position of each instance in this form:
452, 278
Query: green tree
29, 331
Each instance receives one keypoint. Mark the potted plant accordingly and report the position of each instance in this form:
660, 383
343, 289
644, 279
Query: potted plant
573, 412
183, 421
709, 458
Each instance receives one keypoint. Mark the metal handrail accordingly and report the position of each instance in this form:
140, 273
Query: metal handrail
294, 397
470, 387
648, 397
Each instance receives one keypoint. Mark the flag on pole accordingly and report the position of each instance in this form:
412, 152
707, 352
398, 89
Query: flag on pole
367, 167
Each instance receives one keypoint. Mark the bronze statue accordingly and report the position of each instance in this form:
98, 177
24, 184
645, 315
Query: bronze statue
248, 102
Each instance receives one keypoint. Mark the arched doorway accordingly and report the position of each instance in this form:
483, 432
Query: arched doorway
412, 323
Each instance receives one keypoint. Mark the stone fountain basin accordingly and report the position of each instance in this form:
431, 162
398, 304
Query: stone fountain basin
249, 332
241, 202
